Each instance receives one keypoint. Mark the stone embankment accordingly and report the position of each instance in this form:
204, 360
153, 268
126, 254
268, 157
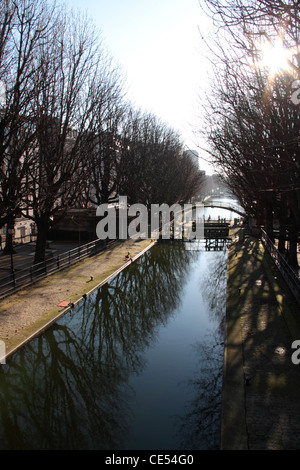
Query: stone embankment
29, 311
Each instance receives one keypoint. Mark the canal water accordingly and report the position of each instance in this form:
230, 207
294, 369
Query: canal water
137, 365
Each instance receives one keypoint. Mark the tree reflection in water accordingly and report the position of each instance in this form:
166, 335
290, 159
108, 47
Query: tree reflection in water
199, 427
67, 389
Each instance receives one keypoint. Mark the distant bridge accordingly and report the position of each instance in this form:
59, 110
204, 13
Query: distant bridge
226, 206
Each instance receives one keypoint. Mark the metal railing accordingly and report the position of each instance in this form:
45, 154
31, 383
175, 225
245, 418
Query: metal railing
289, 275
29, 275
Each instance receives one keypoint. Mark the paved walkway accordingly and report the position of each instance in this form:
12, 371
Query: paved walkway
261, 406
31, 309
23, 256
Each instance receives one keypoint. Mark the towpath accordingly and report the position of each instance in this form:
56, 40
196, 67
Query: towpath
28, 311
261, 407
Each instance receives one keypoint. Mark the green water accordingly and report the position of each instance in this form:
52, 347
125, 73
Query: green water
137, 365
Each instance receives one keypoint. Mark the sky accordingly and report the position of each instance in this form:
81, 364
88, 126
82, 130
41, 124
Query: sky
157, 44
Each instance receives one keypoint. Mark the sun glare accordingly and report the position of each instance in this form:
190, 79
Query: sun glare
275, 57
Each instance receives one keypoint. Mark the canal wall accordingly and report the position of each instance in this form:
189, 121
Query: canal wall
261, 384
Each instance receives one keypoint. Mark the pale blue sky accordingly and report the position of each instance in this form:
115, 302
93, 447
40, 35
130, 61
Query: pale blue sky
157, 44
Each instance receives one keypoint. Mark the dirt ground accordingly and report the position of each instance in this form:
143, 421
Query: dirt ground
29, 310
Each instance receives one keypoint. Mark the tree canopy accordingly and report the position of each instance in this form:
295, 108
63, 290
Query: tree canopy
68, 136
251, 121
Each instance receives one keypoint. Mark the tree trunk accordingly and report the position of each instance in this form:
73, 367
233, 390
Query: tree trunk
292, 253
282, 238
269, 218
283, 223
41, 241
8, 249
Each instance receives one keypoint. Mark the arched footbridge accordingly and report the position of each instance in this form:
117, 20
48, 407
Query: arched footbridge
230, 207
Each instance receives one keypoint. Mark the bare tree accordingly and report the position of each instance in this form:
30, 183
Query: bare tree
255, 18
66, 135
253, 126
66, 90
24, 25
103, 161
153, 166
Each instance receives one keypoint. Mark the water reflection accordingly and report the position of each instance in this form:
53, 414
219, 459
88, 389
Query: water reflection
70, 388
199, 426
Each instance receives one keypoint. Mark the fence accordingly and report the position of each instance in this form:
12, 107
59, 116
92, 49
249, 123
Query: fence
35, 272
289, 275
